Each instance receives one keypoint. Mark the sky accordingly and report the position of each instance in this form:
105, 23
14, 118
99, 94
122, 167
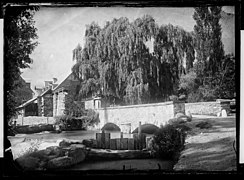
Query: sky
60, 29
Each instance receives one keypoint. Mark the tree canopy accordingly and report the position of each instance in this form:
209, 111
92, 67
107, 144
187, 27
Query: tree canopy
19, 42
116, 61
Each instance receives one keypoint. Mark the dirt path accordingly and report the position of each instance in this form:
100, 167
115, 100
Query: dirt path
209, 149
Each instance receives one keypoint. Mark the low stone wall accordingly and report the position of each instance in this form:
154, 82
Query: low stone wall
208, 108
34, 120
157, 114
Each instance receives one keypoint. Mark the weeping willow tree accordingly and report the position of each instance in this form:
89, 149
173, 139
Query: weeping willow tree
116, 62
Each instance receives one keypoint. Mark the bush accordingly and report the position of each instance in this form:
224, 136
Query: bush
167, 142
68, 122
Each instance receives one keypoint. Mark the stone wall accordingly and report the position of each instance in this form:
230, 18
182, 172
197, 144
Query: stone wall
60, 103
208, 108
89, 104
157, 114
34, 120
48, 105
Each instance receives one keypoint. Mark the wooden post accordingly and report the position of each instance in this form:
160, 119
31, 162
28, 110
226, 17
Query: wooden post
99, 140
139, 136
124, 144
121, 135
103, 140
113, 144
117, 143
107, 140
131, 144
139, 129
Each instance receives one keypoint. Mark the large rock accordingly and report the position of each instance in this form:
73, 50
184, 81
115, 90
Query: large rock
78, 154
59, 162
183, 117
28, 162
176, 121
64, 143
73, 155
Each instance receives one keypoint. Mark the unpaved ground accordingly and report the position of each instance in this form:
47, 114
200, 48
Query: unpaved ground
209, 149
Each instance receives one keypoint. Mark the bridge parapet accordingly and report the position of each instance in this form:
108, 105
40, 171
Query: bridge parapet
129, 116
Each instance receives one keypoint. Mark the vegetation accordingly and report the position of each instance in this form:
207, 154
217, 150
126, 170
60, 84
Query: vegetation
19, 43
116, 60
168, 141
69, 122
213, 74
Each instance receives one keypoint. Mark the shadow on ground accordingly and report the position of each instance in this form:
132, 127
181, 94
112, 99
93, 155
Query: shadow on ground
209, 149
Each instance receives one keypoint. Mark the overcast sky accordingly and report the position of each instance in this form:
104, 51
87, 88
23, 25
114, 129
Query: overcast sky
61, 29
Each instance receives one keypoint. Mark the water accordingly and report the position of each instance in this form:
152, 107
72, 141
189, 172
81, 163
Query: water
71, 135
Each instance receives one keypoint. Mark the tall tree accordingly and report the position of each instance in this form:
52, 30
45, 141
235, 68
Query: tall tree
116, 60
19, 43
209, 47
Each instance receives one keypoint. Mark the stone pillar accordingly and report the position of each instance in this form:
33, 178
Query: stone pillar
97, 103
224, 105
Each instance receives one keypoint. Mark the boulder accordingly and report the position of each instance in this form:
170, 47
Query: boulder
78, 154
55, 151
59, 162
183, 117
64, 143
28, 162
92, 143
176, 121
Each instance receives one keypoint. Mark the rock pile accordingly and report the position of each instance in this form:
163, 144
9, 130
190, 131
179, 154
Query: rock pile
54, 157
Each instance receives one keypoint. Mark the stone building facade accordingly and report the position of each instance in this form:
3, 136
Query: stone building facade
60, 94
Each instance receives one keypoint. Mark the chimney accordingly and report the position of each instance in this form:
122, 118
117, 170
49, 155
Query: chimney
55, 80
28, 84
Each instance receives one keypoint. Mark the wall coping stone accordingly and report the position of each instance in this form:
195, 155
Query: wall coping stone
138, 105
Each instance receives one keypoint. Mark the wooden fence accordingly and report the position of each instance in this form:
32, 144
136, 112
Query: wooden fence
103, 141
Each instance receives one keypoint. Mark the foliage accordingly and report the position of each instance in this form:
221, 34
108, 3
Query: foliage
68, 122
167, 142
24, 93
19, 43
116, 62
209, 47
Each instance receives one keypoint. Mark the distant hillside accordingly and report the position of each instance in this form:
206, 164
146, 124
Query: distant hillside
228, 32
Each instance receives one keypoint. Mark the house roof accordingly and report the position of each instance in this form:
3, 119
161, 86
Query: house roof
45, 92
67, 82
33, 99
26, 103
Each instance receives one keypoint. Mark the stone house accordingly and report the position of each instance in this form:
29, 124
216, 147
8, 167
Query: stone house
60, 93
41, 104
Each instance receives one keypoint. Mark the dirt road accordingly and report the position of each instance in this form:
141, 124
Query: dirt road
209, 149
